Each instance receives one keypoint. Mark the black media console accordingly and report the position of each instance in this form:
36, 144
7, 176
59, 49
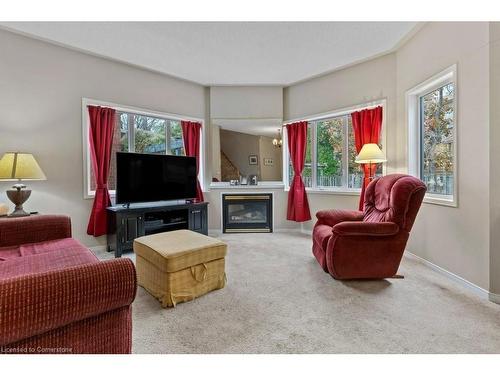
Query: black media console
125, 223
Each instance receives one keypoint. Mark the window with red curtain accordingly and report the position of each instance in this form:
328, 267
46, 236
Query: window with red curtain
298, 205
191, 132
101, 129
367, 127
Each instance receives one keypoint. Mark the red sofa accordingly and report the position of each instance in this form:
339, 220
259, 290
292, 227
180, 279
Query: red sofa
369, 244
56, 296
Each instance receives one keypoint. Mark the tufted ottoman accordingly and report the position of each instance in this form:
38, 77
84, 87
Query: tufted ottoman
179, 266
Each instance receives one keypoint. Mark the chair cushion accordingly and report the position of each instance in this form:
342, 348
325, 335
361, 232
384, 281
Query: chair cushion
43, 257
321, 235
8, 252
390, 198
180, 249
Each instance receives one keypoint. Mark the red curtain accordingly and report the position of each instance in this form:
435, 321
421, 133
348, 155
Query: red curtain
298, 206
367, 125
191, 132
102, 126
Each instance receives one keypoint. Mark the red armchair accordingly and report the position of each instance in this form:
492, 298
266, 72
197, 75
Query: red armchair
369, 244
56, 296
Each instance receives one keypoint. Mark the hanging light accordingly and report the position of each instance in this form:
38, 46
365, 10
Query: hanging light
278, 142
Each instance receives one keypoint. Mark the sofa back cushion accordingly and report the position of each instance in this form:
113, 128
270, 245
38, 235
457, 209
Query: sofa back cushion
395, 198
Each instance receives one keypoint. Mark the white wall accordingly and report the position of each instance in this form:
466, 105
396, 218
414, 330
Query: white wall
268, 151
453, 238
238, 147
215, 152
362, 83
494, 158
41, 88
242, 102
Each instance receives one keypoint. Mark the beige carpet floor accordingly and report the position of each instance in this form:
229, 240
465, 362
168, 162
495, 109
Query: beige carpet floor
279, 300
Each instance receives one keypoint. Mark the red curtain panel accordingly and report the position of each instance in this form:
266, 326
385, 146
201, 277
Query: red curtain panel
367, 126
102, 126
191, 132
298, 206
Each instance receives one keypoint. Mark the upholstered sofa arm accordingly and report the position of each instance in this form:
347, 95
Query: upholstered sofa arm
31, 229
333, 217
363, 228
37, 303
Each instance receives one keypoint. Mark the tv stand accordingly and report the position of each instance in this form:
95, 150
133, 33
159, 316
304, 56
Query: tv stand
126, 222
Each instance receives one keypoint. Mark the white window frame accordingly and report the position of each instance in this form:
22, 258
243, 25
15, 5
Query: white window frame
448, 75
87, 192
323, 116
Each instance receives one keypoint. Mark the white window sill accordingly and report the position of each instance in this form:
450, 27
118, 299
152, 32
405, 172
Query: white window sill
260, 185
355, 192
446, 200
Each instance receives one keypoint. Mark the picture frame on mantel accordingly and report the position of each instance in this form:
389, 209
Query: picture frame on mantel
253, 160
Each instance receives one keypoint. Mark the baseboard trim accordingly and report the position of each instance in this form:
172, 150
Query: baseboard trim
287, 230
98, 248
305, 230
476, 289
494, 297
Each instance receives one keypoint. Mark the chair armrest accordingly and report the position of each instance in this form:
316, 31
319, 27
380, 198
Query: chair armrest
363, 228
33, 304
333, 217
31, 229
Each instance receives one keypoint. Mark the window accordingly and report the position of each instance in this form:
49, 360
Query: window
330, 155
432, 141
135, 131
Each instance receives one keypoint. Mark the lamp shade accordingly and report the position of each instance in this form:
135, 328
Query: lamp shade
18, 166
370, 153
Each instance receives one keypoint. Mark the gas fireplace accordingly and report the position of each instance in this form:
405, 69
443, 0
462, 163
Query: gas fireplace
247, 213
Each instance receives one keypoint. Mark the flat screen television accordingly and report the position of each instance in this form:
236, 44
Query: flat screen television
150, 178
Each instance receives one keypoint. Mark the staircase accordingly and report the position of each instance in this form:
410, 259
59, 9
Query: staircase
227, 169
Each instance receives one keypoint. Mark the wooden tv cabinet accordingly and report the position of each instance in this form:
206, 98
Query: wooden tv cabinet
126, 223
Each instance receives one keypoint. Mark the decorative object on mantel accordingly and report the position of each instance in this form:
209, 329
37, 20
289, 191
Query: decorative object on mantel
253, 160
4, 209
19, 166
278, 141
243, 180
234, 182
268, 162
253, 179
370, 154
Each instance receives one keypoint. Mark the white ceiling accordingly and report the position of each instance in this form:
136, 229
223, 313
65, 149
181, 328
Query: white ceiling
227, 53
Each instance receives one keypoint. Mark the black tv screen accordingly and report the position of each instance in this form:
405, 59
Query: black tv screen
149, 178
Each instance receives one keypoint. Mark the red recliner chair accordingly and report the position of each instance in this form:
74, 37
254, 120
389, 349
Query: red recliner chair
369, 244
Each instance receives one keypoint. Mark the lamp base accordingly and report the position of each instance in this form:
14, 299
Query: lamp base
18, 197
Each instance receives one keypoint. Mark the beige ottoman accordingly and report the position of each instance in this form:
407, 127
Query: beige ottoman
179, 266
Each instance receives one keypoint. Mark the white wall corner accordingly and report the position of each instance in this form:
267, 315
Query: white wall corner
476, 289
494, 297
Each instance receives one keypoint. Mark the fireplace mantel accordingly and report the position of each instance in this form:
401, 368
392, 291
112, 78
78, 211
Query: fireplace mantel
260, 185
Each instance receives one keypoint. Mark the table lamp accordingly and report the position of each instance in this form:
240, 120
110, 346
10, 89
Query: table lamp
370, 154
19, 166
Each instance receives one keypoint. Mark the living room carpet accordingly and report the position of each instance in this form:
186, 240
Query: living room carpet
279, 300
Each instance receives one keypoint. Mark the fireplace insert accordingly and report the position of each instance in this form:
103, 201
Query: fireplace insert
247, 213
